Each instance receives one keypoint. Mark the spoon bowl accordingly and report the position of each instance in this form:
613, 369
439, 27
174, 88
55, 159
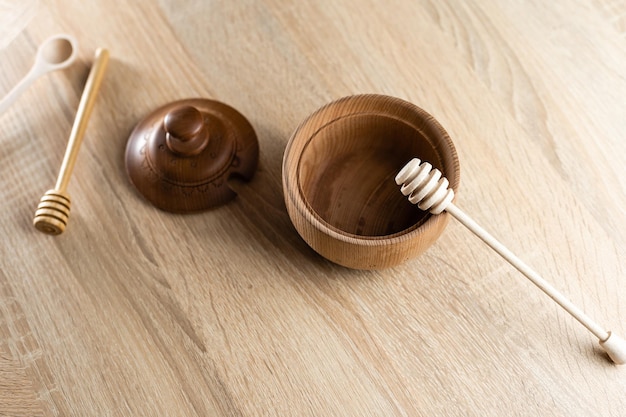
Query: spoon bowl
57, 52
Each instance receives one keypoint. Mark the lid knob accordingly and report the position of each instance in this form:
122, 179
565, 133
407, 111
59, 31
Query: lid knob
186, 132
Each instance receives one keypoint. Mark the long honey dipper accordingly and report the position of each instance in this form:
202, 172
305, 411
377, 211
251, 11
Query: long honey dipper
54, 207
428, 188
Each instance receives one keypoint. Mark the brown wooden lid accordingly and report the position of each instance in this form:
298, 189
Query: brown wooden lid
181, 155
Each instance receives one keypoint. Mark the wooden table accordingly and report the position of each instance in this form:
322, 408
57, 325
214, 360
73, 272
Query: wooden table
134, 311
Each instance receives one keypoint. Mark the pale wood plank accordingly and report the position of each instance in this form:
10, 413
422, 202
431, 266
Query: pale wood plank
133, 311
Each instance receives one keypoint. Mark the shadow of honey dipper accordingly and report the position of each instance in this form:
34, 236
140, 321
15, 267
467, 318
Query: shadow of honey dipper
54, 207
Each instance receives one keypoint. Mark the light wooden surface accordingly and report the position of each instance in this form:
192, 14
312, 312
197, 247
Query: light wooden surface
133, 311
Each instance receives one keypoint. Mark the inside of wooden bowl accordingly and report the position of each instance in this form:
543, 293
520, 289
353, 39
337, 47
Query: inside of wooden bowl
346, 173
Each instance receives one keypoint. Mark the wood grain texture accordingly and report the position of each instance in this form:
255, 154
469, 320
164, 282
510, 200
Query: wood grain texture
134, 311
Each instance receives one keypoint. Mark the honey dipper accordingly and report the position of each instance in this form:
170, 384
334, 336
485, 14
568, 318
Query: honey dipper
54, 208
425, 186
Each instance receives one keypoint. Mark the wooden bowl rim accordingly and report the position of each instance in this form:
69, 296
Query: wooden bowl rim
297, 142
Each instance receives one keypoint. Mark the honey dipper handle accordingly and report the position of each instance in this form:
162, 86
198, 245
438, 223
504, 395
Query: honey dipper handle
521, 266
87, 100
614, 346
426, 186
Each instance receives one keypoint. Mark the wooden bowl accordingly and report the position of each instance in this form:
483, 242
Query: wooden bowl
338, 180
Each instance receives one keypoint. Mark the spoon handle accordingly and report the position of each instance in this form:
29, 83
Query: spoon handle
17, 91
